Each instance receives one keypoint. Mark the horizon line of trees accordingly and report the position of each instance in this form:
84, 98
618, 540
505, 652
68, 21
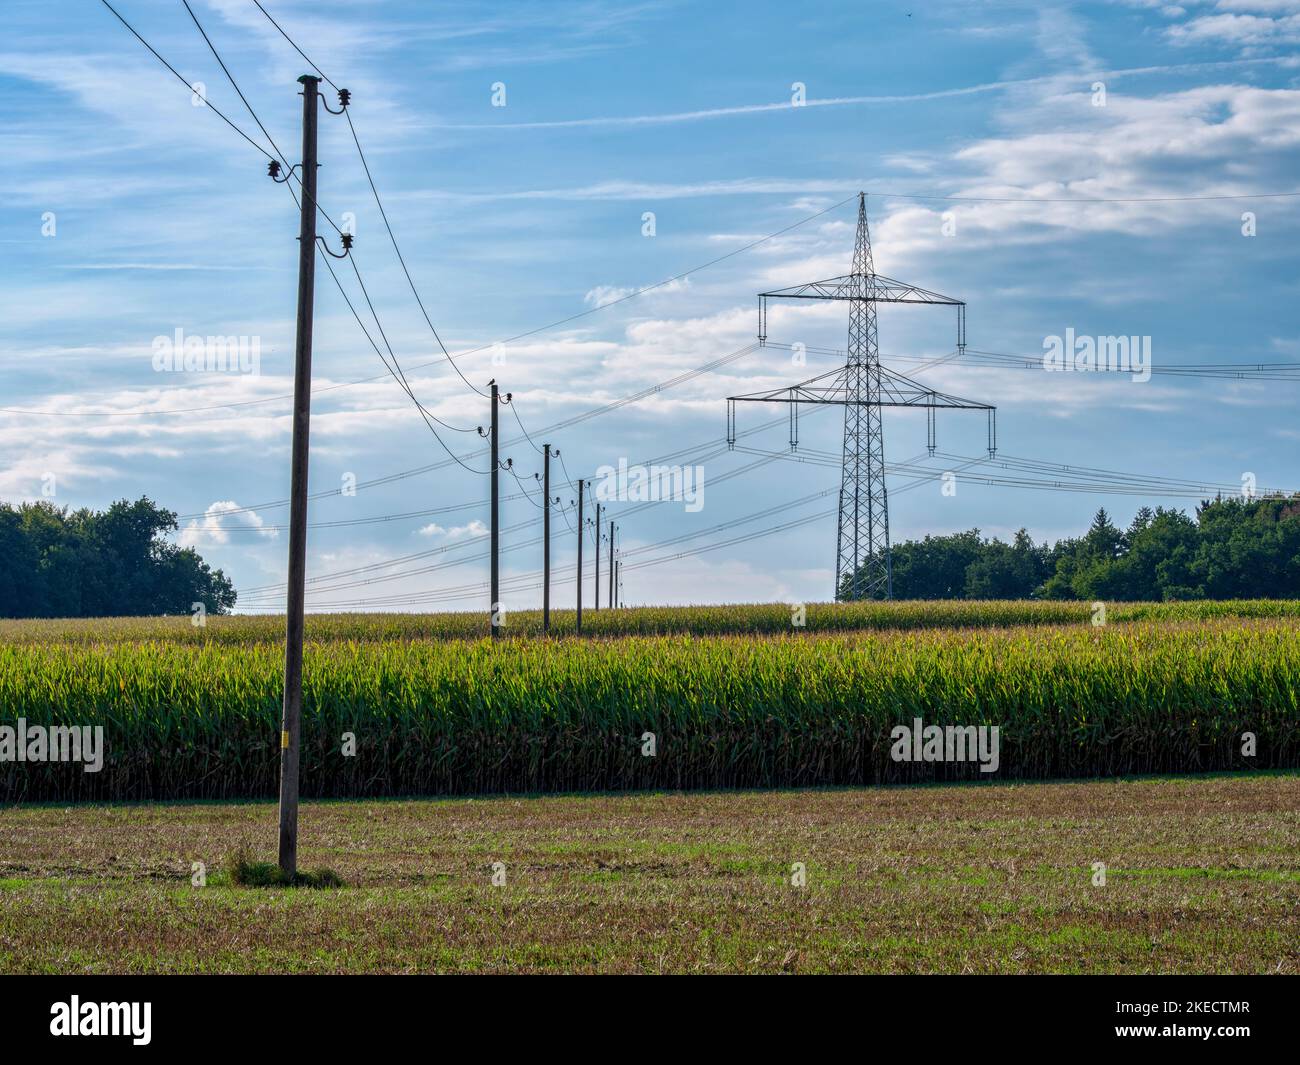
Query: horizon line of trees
57, 562
1230, 549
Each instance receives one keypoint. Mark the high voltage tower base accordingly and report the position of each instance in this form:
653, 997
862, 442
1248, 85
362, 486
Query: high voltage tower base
863, 387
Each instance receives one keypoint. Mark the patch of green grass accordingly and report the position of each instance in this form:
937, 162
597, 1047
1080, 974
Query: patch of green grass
242, 871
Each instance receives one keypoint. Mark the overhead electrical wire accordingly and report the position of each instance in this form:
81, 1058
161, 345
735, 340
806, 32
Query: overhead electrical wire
395, 368
416, 366
410, 281
184, 81
271, 589
400, 258
564, 423
291, 41
514, 583
320, 583
1086, 479
1246, 371
523, 489
519, 336
693, 534
1084, 482
398, 375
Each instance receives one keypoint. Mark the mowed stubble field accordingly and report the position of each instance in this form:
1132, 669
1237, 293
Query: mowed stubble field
1201, 877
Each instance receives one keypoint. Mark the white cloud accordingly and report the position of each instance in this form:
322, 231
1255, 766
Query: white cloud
217, 523
1238, 29
473, 528
604, 295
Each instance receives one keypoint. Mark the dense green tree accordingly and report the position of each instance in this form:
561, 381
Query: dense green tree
56, 562
20, 579
1232, 548
1007, 571
934, 568
1156, 562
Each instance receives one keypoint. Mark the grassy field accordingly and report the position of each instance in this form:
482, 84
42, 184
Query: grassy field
1171, 692
1202, 877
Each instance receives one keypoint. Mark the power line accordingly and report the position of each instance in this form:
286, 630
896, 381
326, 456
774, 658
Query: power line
523, 489
421, 365
1084, 482
1102, 481
397, 374
564, 513
400, 258
448, 595
263, 590
185, 81
235, 85
523, 430
295, 46
1197, 488
395, 369
1269, 371
569, 481
272, 590
1253, 371
376, 519
565, 423
568, 569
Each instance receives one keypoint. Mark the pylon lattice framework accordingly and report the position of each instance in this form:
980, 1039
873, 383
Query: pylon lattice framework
863, 387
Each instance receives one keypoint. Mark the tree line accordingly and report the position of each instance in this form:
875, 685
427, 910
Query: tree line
56, 562
1229, 549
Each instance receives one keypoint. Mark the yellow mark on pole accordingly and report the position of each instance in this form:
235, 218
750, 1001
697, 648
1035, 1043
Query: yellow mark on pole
284, 741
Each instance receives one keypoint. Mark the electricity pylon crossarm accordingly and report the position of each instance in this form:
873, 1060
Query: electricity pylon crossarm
863, 387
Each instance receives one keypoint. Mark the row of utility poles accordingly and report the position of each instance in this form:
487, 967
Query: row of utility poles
613, 566
291, 713
497, 611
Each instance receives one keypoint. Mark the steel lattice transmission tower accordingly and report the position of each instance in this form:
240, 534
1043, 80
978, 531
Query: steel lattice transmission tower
864, 387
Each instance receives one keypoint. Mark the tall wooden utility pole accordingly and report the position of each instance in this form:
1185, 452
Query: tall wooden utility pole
579, 621
496, 568
291, 719
611, 565
546, 538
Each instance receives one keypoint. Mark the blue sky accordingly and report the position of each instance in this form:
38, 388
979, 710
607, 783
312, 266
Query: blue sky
982, 116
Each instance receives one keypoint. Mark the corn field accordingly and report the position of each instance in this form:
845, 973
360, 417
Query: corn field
734, 619
195, 713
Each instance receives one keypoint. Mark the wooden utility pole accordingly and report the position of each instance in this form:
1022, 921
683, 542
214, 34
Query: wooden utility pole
496, 567
291, 718
612, 604
579, 621
546, 538
596, 583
